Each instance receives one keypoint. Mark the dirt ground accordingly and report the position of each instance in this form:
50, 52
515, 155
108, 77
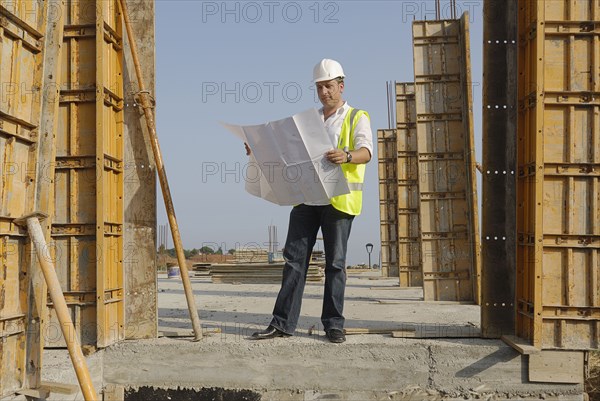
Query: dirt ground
592, 384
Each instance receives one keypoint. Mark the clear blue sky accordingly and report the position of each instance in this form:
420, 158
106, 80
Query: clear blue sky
248, 62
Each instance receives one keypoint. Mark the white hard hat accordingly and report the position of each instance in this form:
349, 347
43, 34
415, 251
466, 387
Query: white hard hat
326, 70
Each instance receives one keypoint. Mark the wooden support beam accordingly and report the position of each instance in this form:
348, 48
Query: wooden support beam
60, 388
520, 345
114, 392
37, 393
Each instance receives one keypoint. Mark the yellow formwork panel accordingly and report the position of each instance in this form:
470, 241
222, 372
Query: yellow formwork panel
109, 191
558, 151
450, 253
388, 215
13, 306
88, 218
409, 238
22, 26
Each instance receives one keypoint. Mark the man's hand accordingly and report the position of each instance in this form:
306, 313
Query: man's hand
248, 151
336, 156
359, 156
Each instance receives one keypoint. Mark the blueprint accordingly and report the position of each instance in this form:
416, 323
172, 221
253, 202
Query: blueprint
287, 165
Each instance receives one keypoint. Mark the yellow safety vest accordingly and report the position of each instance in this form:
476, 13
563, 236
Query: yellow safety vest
355, 173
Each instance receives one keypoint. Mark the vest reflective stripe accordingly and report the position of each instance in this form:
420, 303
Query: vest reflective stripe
355, 173
355, 186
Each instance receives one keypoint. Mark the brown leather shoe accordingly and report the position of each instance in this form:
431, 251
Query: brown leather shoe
269, 332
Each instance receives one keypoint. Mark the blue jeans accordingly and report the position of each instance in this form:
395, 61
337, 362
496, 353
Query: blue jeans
305, 222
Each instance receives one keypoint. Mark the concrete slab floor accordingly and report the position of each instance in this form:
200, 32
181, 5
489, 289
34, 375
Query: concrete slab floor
308, 367
371, 302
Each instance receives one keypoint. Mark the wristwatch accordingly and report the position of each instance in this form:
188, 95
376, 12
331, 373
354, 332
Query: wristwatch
348, 157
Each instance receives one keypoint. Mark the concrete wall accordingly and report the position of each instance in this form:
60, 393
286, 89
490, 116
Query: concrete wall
141, 318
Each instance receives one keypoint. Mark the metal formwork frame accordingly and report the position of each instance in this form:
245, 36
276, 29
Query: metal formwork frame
109, 190
88, 217
558, 153
498, 248
409, 231
450, 251
388, 201
22, 30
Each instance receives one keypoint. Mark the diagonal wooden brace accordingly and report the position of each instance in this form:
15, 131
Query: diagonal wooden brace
147, 106
32, 222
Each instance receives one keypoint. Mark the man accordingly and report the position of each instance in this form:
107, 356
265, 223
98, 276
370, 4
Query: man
350, 129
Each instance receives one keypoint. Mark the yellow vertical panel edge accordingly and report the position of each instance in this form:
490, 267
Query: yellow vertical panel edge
539, 171
101, 262
409, 244
109, 167
21, 67
386, 150
527, 94
118, 107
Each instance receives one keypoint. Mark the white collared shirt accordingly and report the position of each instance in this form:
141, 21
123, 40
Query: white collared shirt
363, 136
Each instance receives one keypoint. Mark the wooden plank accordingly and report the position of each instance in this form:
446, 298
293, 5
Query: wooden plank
257, 273
419, 331
175, 333
60, 388
400, 301
113, 392
38, 393
439, 332
520, 345
185, 333
556, 367
359, 330
391, 288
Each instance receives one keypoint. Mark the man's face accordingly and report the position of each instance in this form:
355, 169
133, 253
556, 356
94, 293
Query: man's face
330, 92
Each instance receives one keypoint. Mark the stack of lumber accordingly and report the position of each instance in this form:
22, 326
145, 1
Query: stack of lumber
257, 273
317, 257
250, 255
201, 269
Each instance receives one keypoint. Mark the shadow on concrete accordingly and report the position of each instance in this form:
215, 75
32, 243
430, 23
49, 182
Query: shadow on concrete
243, 324
273, 295
501, 355
371, 285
